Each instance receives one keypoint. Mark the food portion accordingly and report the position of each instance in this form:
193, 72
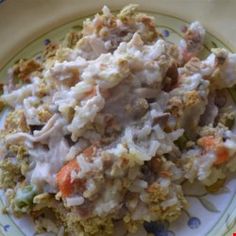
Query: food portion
102, 132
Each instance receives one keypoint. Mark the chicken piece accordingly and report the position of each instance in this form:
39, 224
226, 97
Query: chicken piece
113, 30
188, 101
193, 40
224, 68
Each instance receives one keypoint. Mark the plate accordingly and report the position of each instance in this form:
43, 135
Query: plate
209, 214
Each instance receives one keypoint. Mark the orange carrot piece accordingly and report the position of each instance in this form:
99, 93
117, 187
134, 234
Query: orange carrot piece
222, 155
165, 173
211, 143
89, 151
208, 142
63, 177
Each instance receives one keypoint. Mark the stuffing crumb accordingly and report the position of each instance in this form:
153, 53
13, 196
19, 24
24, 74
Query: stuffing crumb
7, 180
24, 68
16, 121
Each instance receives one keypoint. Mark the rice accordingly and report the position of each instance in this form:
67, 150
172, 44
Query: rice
74, 201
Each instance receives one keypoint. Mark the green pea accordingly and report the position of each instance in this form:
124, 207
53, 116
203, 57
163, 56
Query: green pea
182, 141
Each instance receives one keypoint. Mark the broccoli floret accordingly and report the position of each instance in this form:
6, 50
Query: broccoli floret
23, 200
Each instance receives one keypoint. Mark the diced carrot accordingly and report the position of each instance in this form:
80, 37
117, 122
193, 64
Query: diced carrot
208, 142
222, 155
211, 143
89, 151
63, 177
165, 173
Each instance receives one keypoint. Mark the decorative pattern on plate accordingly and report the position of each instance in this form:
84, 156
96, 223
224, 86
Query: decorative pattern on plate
210, 214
